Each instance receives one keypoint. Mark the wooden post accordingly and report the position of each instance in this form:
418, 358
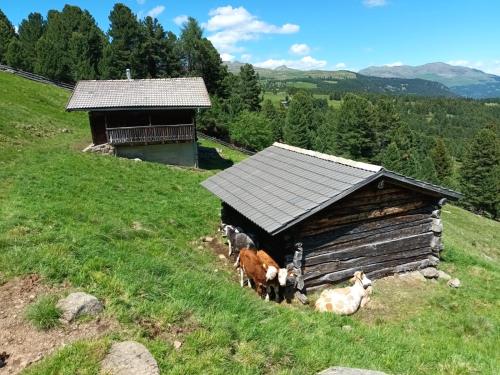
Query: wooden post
297, 270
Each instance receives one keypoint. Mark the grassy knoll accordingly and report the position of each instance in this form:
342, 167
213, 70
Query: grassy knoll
123, 231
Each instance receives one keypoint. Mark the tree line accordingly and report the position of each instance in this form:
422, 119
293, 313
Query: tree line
69, 46
444, 141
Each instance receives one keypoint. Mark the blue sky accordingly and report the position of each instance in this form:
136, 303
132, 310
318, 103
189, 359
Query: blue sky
324, 34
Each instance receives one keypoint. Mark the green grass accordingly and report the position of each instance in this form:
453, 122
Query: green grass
43, 313
71, 217
302, 85
280, 96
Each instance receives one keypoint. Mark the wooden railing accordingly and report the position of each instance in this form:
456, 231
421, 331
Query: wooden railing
150, 134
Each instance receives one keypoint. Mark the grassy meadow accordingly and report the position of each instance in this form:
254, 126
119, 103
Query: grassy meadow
125, 231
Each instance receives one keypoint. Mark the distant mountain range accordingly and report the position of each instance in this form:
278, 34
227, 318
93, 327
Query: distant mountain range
331, 81
461, 80
434, 79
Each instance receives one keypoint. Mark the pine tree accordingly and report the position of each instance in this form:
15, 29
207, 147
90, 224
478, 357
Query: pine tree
299, 121
53, 60
356, 128
391, 158
428, 171
7, 32
276, 118
200, 58
249, 88
325, 137
30, 31
71, 47
14, 55
123, 51
481, 173
441, 160
387, 121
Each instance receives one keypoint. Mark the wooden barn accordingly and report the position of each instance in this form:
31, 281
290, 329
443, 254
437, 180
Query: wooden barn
325, 217
150, 119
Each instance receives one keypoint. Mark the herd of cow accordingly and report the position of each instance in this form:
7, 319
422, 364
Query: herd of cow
270, 281
260, 268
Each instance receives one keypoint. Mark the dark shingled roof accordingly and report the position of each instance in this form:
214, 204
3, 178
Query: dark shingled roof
282, 185
126, 94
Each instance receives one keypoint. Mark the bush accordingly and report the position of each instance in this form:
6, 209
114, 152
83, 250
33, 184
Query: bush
44, 314
251, 130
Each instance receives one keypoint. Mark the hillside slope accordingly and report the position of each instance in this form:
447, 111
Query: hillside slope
124, 232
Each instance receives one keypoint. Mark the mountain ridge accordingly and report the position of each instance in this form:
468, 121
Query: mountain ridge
460, 80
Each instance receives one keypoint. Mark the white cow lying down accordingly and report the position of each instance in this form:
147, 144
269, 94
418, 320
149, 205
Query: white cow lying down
346, 301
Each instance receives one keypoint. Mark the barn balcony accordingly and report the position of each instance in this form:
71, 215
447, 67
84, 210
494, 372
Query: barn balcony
151, 134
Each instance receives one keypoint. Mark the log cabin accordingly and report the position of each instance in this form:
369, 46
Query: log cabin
149, 119
325, 217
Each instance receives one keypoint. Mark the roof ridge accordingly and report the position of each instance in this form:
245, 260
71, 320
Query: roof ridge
139, 79
336, 159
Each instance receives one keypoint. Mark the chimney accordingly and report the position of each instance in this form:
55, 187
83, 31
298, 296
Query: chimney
129, 76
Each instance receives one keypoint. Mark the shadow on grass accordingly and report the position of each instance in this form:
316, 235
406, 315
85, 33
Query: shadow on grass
209, 158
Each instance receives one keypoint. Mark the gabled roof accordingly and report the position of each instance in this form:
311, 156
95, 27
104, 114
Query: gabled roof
282, 185
132, 94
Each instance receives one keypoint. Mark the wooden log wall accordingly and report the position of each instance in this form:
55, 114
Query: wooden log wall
381, 229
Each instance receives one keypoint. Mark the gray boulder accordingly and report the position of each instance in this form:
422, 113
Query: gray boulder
430, 273
443, 275
454, 283
129, 358
77, 304
349, 371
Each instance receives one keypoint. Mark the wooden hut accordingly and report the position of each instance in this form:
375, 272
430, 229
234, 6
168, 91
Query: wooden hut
326, 217
150, 119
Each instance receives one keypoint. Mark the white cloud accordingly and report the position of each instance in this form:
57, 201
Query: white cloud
300, 49
230, 26
16, 29
305, 63
226, 57
181, 20
246, 57
156, 11
374, 3
492, 67
396, 63
340, 65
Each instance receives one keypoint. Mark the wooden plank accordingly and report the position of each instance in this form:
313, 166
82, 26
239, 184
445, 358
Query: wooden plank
337, 211
329, 267
324, 243
374, 214
398, 265
383, 247
369, 224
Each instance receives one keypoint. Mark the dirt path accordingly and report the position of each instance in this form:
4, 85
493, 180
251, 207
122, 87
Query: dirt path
22, 343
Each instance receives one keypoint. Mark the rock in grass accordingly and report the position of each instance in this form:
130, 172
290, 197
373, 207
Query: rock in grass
454, 283
443, 275
412, 276
349, 371
77, 304
129, 358
430, 273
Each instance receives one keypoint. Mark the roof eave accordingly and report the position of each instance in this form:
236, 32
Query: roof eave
142, 108
423, 186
